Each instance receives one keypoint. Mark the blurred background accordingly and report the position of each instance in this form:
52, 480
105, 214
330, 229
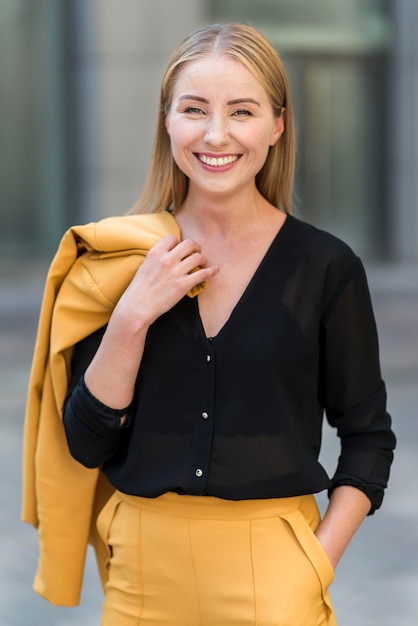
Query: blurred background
79, 87
79, 83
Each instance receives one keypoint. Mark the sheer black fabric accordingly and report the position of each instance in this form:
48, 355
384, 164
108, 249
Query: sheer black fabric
239, 416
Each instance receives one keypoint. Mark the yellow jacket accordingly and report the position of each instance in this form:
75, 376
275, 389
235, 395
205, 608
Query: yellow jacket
92, 267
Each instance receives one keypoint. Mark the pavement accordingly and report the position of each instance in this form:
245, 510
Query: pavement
377, 580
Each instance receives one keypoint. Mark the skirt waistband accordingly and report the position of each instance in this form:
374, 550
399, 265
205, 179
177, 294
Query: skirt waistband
210, 507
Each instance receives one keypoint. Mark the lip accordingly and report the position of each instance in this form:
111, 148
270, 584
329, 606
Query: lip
217, 162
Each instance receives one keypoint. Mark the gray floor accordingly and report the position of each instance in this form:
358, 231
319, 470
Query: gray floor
377, 581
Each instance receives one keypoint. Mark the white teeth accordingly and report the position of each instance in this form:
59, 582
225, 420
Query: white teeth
217, 162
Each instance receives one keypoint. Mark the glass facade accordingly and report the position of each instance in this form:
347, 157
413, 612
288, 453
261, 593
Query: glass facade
335, 54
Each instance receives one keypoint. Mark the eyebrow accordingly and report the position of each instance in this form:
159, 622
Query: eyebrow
230, 102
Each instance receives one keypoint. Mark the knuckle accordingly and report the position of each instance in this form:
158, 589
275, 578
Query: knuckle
165, 261
189, 243
152, 252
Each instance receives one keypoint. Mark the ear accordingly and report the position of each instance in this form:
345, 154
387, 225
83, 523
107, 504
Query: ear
278, 128
167, 123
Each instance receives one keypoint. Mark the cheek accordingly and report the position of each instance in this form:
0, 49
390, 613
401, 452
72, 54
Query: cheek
182, 141
259, 138
182, 135
260, 143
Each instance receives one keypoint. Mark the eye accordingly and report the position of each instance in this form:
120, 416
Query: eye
193, 110
242, 113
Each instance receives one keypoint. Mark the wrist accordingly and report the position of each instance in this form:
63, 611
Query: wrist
128, 325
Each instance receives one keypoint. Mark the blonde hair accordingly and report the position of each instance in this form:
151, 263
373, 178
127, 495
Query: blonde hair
166, 185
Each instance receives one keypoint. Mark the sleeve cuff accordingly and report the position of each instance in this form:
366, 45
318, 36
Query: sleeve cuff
375, 494
106, 413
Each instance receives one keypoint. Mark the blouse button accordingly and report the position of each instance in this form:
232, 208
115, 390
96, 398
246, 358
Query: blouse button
199, 473
205, 415
208, 358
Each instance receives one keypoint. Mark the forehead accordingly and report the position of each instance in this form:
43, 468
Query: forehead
216, 73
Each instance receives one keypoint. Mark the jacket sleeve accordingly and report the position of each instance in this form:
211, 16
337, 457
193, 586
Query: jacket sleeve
92, 429
354, 394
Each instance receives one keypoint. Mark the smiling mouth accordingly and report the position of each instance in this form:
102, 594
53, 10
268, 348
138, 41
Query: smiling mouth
218, 162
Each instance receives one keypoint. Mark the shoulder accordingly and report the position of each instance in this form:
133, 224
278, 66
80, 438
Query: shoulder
312, 240
322, 258
320, 249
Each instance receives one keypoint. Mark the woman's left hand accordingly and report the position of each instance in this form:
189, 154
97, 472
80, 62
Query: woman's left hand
347, 509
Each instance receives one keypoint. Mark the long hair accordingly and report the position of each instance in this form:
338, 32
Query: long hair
166, 185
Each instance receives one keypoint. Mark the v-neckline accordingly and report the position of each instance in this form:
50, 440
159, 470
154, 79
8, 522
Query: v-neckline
247, 288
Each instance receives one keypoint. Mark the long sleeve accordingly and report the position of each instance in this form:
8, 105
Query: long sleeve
92, 429
354, 393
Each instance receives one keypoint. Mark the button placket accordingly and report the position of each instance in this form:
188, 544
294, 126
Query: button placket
204, 433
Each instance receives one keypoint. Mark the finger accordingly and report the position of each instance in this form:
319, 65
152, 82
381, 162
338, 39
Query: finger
167, 243
194, 261
185, 248
199, 275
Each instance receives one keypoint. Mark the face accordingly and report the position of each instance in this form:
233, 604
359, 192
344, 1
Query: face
221, 125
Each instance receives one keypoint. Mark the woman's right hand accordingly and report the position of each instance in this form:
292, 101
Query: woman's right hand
164, 278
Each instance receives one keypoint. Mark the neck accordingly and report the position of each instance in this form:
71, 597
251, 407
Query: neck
221, 217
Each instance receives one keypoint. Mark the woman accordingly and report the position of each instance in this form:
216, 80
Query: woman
206, 412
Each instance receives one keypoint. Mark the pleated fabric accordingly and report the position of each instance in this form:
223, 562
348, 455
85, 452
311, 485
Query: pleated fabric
203, 561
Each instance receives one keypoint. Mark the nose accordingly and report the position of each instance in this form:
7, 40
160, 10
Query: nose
216, 133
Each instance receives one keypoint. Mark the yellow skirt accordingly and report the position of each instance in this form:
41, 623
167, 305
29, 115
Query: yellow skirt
203, 561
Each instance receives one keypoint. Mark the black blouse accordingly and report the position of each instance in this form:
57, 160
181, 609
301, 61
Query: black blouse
239, 415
